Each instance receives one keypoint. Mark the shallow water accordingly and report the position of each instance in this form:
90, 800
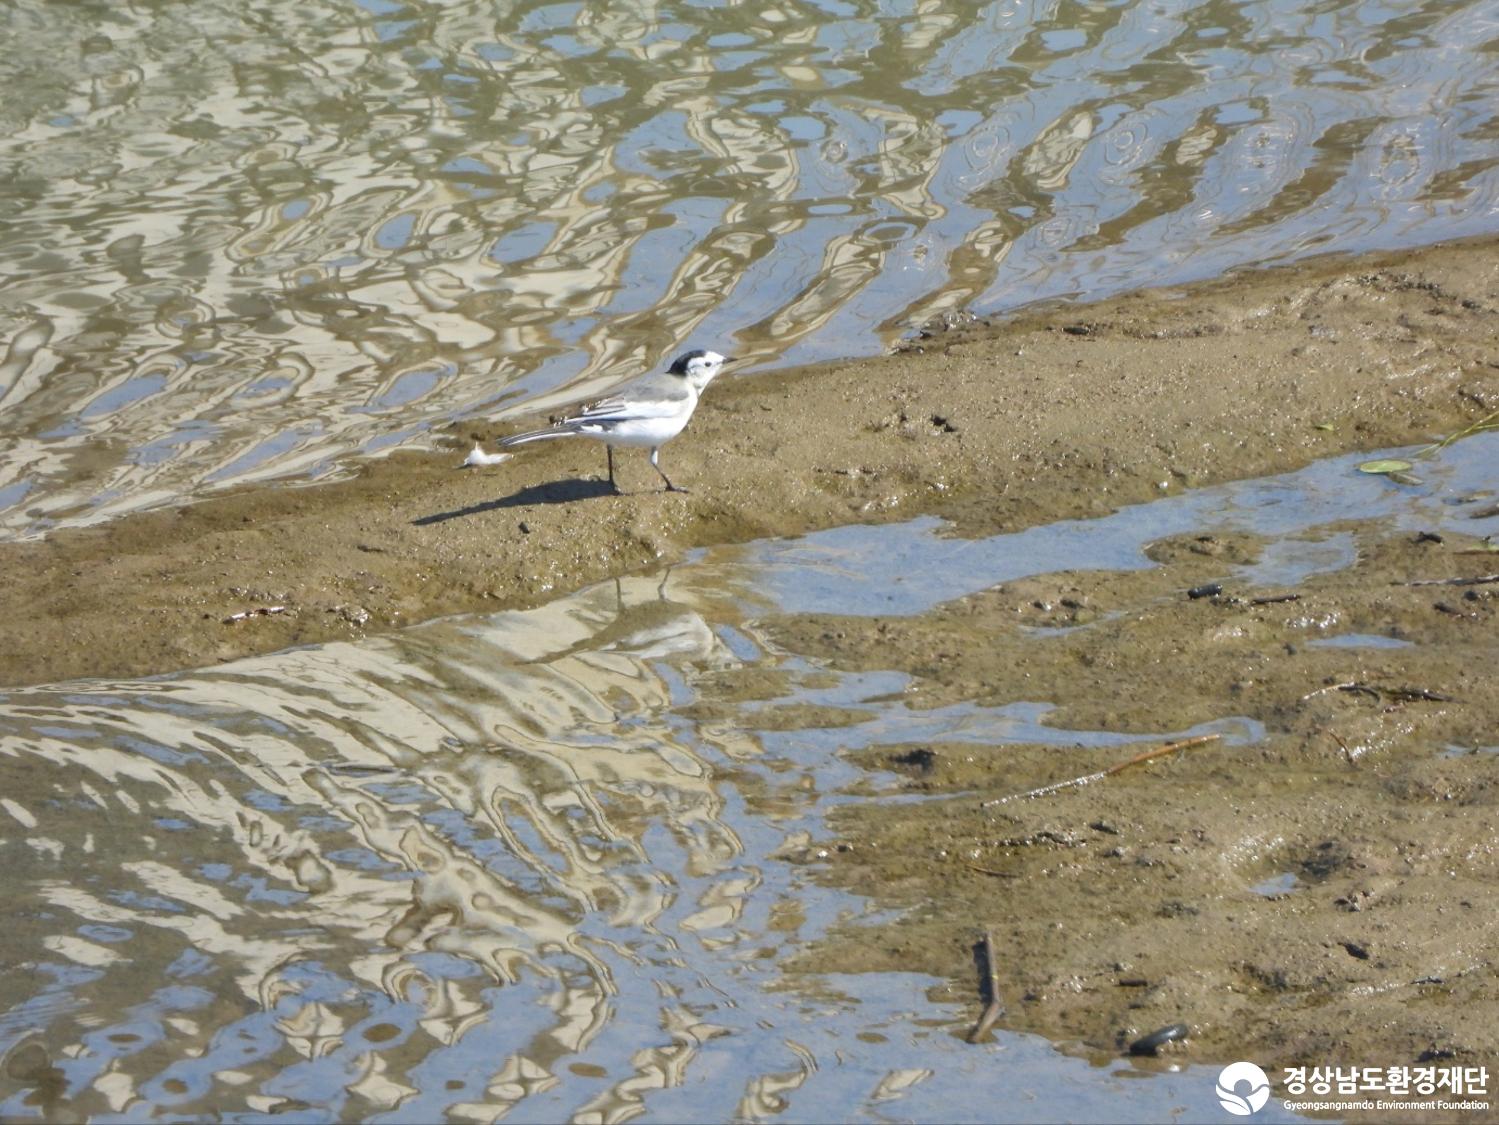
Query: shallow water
543, 865
240, 243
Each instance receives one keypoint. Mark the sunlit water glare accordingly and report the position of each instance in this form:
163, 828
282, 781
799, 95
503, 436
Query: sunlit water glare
240, 242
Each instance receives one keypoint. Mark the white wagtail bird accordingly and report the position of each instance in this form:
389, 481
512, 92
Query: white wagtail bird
646, 412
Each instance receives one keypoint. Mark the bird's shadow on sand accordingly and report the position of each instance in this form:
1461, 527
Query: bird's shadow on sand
553, 492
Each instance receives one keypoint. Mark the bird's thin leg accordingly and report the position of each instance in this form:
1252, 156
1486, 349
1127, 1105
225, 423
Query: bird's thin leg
655, 452
612, 485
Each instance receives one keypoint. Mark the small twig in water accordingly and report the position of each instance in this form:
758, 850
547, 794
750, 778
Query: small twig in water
996, 1006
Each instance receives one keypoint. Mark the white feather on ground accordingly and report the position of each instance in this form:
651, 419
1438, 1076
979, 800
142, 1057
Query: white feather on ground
478, 457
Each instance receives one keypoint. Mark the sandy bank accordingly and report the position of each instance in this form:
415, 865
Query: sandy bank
1052, 414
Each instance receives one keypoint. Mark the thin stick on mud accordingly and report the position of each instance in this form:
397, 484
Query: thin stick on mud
1348, 754
1350, 686
1483, 580
1136, 760
989, 871
1275, 599
996, 1006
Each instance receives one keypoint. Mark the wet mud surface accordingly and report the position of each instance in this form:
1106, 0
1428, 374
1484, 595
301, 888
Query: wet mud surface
1323, 890
1066, 413
1120, 906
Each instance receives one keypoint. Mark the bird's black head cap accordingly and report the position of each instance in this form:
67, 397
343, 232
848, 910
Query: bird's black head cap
679, 365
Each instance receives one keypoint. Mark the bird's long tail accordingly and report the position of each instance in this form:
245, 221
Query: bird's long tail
535, 435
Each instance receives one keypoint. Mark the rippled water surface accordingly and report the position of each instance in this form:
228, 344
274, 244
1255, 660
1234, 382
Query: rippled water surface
546, 865
240, 240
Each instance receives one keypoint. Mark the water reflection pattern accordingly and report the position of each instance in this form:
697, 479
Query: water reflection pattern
330, 862
436, 875
537, 859
240, 242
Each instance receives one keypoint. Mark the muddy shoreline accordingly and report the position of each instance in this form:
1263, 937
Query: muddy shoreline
1123, 905
1058, 413
1321, 893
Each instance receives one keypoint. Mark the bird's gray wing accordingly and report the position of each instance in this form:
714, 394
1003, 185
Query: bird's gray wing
639, 402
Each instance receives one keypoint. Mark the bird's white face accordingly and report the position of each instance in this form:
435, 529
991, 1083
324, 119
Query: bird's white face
702, 367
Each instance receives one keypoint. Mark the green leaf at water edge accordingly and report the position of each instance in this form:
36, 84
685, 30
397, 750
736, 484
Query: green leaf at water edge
1388, 466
